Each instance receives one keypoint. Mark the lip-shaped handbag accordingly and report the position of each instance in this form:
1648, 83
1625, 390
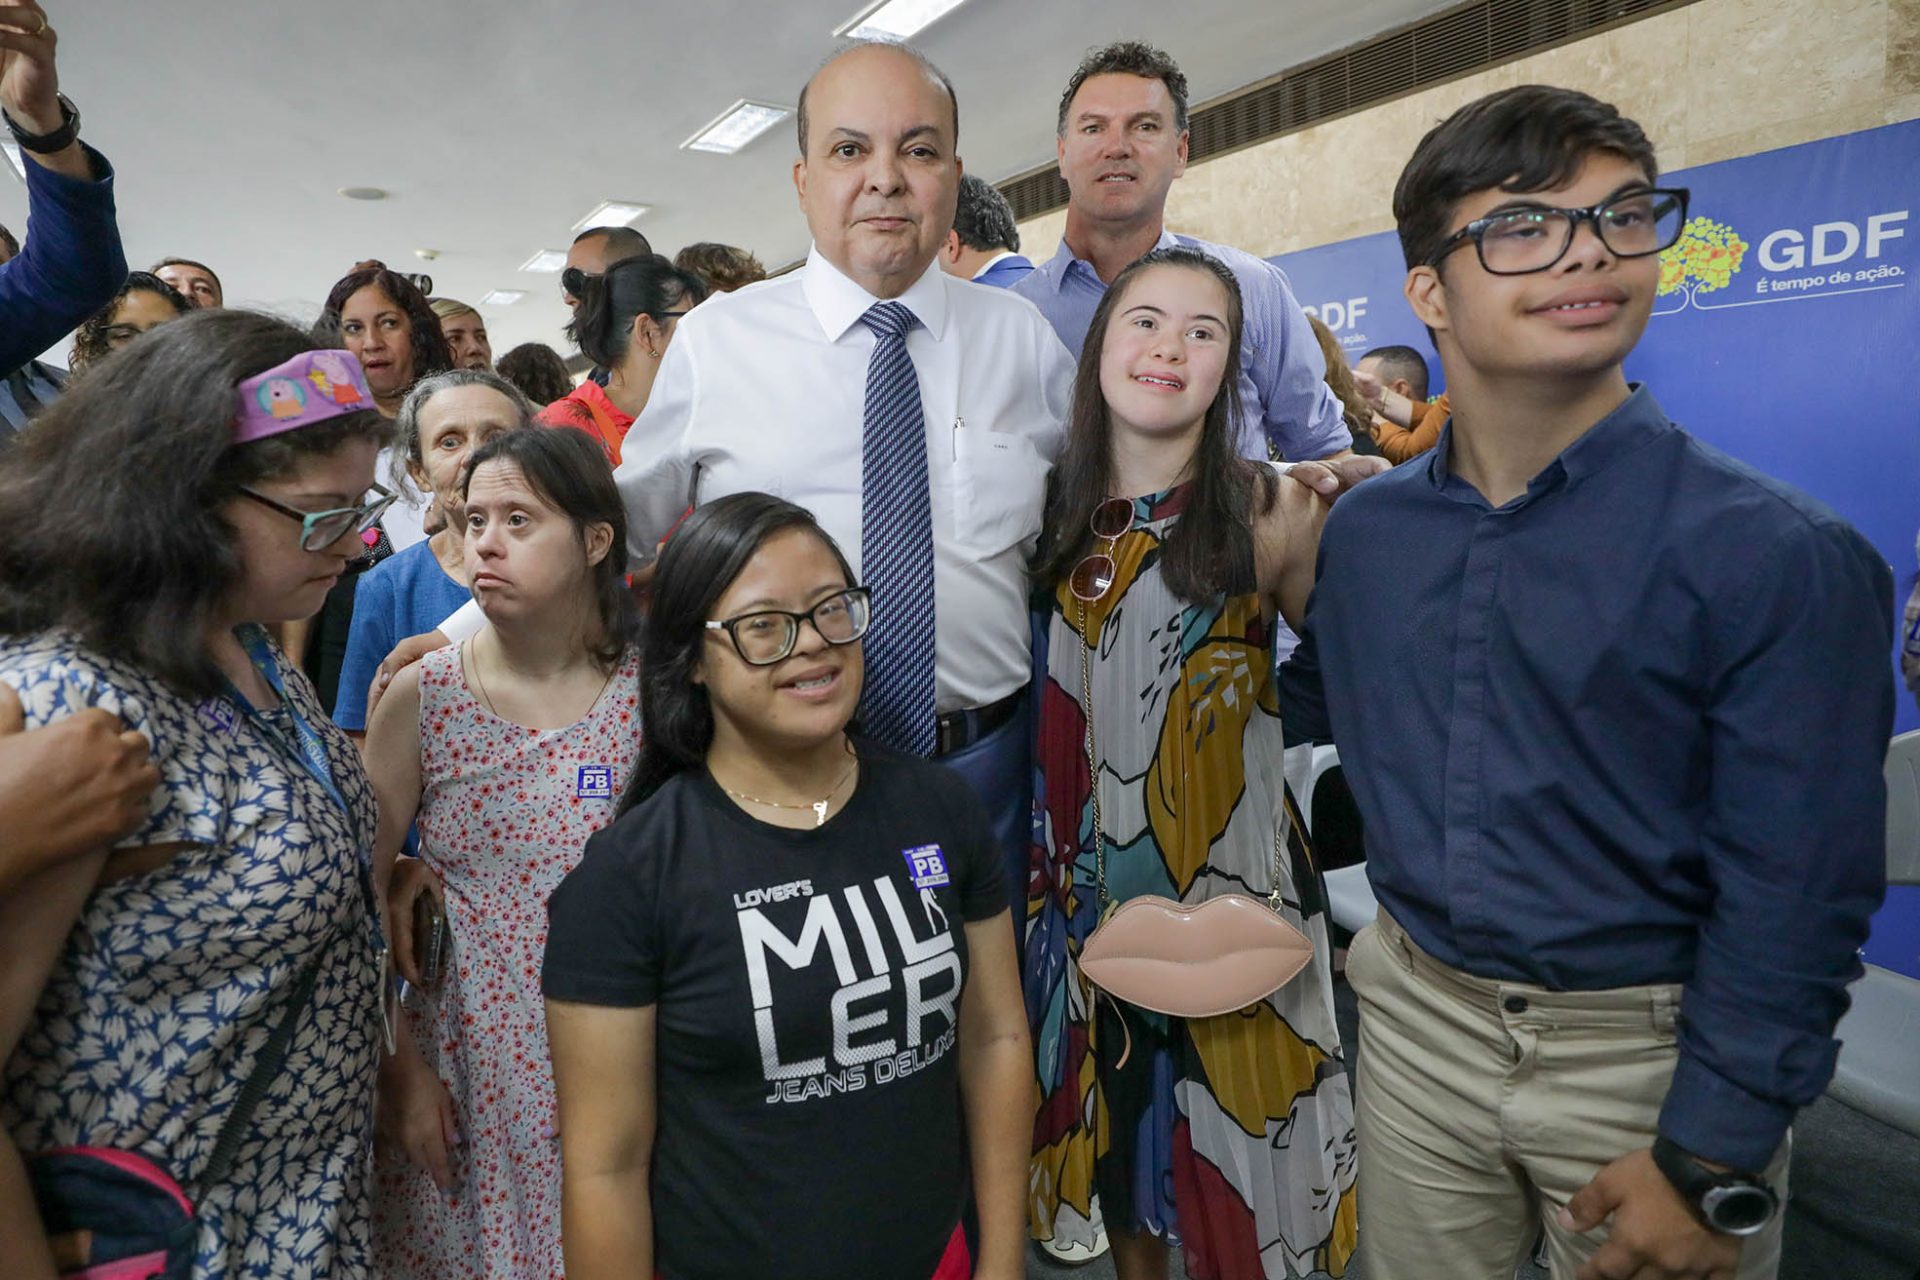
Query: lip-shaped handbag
1187, 960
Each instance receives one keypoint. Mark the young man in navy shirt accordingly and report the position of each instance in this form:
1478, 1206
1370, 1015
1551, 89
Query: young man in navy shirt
1649, 692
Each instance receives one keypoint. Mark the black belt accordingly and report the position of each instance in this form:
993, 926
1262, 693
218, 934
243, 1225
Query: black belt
958, 730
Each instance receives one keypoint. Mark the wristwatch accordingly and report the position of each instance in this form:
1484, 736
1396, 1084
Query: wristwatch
47, 143
1734, 1204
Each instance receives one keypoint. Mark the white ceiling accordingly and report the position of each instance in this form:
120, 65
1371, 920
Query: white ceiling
496, 124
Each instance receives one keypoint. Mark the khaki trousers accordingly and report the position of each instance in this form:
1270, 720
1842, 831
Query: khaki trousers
1483, 1106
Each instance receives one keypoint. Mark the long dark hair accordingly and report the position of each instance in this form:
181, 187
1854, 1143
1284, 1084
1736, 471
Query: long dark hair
1209, 553
90, 339
431, 354
647, 285
568, 470
699, 563
111, 498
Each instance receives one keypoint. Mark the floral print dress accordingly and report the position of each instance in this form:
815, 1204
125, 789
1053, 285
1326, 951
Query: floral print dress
505, 812
1231, 1136
172, 979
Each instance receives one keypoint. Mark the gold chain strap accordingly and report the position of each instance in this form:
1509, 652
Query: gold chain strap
1093, 771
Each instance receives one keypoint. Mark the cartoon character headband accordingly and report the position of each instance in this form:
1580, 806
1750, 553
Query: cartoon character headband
310, 388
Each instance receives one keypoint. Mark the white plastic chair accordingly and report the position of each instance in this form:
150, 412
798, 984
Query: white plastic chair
1878, 1073
1350, 899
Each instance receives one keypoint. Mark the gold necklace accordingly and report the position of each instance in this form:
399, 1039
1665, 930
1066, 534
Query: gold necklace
819, 806
480, 687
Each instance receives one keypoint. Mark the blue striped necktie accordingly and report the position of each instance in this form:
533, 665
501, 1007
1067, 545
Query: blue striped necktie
896, 542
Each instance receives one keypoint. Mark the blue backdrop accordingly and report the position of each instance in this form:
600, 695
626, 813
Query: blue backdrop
1787, 333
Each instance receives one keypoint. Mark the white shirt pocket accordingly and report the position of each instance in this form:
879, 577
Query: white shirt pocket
999, 489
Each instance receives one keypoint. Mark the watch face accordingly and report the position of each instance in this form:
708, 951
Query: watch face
1739, 1210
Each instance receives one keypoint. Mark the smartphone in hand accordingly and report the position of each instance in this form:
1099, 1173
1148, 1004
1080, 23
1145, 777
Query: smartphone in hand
429, 937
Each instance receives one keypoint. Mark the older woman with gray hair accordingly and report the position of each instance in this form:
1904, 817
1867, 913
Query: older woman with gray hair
443, 419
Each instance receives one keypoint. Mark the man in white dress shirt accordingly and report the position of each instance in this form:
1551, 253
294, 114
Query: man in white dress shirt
765, 389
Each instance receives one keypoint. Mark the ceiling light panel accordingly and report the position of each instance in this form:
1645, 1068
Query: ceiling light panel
502, 297
737, 126
897, 19
547, 261
612, 213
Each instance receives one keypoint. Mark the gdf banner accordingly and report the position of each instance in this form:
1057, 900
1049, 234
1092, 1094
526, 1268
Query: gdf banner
1786, 332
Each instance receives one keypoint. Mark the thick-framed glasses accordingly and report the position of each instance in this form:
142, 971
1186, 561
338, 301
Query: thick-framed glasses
1521, 241
767, 636
1093, 577
321, 529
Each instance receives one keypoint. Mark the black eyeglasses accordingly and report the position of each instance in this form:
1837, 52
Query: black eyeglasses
767, 636
1522, 241
321, 529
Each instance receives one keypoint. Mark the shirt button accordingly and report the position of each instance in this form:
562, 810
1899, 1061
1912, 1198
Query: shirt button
1515, 1004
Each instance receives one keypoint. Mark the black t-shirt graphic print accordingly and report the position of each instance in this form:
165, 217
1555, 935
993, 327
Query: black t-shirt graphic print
808, 987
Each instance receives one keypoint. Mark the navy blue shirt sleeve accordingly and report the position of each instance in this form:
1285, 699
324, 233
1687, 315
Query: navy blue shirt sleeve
69, 266
1303, 698
1794, 839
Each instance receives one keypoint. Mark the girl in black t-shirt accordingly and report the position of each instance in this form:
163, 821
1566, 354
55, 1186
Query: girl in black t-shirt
783, 1013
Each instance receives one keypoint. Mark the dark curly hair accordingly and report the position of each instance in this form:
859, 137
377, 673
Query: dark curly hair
1132, 58
90, 340
538, 370
135, 557
983, 217
723, 266
429, 342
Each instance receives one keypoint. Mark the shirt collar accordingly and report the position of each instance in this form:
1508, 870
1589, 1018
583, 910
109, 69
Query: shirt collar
993, 262
838, 303
1055, 269
1638, 419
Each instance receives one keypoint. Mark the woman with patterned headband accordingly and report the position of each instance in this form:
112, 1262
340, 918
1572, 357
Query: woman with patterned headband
212, 480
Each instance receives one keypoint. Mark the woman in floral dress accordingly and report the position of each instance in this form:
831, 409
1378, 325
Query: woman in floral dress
188, 491
1231, 1136
512, 749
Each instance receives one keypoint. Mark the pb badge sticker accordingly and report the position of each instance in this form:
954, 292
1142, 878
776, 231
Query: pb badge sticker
594, 782
927, 865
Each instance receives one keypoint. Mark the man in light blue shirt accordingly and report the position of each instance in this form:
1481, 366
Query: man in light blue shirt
1122, 141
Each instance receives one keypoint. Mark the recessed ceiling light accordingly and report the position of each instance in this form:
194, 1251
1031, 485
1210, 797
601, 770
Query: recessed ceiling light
363, 193
612, 213
547, 260
735, 127
896, 19
502, 297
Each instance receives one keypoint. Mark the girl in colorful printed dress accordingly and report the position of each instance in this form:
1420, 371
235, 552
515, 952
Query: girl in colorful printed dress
511, 750
183, 496
1164, 560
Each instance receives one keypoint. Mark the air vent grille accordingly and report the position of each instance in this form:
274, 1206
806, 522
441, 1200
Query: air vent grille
1444, 46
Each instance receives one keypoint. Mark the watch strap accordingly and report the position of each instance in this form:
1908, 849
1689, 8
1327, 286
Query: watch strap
1696, 1183
48, 143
